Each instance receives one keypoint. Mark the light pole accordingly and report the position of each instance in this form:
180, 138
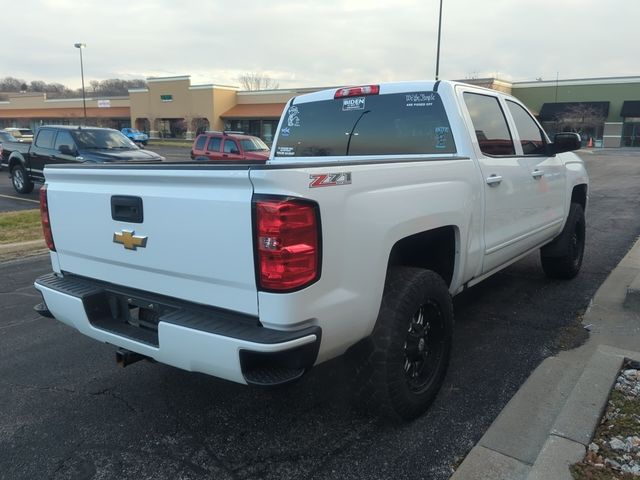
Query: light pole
80, 46
438, 52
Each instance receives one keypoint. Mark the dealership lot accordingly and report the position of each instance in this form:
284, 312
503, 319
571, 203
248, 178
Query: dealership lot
69, 412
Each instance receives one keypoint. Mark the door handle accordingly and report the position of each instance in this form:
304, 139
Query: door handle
493, 180
537, 174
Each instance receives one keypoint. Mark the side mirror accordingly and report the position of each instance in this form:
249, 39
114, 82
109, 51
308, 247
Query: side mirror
66, 150
566, 142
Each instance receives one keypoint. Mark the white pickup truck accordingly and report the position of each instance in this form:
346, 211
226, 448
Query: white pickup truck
378, 204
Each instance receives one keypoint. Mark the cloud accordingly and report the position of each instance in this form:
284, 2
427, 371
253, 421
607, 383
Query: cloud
311, 43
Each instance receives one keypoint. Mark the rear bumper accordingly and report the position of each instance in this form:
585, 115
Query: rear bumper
217, 342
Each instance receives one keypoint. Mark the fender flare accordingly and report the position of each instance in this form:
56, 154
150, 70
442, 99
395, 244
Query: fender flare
14, 159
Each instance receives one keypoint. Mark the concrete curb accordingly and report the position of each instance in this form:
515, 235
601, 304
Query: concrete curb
575, 425
550, 421
10, 251
632, 300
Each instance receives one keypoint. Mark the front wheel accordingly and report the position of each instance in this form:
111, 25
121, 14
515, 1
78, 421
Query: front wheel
20, 180
401, 367
562, 258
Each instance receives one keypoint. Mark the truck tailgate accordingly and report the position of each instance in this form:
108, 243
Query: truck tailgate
197, 224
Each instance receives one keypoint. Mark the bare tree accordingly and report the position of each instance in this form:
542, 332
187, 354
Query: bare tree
257, 81
106, 88
37, 86
10, 84
115, 86
580, 117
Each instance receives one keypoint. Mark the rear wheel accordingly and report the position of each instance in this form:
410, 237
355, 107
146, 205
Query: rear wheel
20, 180
400, 368
562, 258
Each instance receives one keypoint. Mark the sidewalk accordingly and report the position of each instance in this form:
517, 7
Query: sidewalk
550, 421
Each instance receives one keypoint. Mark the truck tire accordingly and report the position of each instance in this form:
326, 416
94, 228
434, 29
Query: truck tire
562, 258
20, 180
401, 366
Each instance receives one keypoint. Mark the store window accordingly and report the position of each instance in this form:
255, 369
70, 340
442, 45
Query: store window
264, 129
631, 132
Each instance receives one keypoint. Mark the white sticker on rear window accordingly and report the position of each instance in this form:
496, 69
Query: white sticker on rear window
420, 99
285, 152
293, 119
441, 137
356, 103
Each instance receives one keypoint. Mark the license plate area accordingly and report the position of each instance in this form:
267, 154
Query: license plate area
128, 316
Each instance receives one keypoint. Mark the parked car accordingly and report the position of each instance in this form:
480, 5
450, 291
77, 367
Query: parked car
5, 137
70, 145
379, 203
21, 134
135, 135
229, 146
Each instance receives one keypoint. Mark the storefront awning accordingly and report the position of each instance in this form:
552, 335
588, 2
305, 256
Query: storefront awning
630, 108
551, 111
254, 111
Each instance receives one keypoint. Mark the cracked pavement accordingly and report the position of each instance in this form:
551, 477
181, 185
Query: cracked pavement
68, 412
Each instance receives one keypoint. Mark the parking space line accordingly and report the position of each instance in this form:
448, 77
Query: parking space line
19, 198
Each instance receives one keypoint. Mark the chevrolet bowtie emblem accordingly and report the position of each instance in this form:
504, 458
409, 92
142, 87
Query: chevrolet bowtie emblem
129, 239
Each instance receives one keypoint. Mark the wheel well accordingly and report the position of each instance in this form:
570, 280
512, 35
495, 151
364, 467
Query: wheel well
13, 161
579, 195
434, 250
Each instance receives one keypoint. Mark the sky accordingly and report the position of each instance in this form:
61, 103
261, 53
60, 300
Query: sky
313, 43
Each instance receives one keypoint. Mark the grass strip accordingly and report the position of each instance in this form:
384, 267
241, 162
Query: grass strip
20, 226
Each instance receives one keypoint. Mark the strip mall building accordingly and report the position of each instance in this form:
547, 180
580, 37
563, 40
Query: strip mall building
606, 111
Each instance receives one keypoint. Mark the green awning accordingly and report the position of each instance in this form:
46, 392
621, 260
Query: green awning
630, 108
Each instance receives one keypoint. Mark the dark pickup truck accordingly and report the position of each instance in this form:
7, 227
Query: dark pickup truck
71, 145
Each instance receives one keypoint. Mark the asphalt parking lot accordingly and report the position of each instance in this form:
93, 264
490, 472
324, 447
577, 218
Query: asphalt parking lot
11, 201
69, 413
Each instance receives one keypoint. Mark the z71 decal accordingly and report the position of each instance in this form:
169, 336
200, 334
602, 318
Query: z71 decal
329, 179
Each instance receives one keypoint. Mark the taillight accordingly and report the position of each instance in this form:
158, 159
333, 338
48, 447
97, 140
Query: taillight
287, 235
44, 217
357, 91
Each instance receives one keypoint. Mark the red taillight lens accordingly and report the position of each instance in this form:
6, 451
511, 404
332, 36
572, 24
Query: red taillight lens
44, 217
357, 91
287, 241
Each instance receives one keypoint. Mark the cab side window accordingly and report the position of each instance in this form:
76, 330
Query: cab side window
200, 141
231, 147
531, 136
45, 138
489, 124
64, 138
214, 144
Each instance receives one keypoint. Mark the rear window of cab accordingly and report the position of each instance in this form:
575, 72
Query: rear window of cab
388, 124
